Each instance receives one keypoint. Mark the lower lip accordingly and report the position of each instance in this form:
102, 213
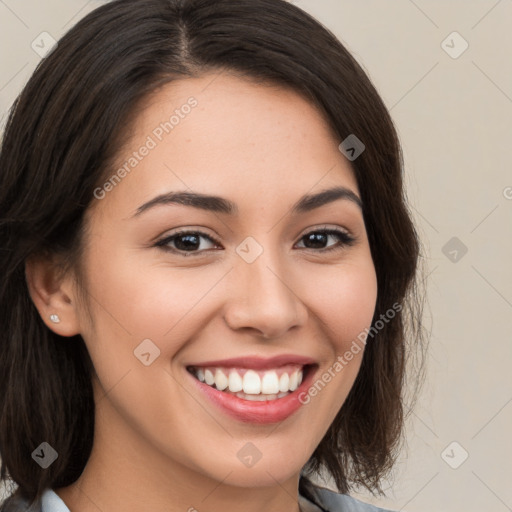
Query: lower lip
269, 411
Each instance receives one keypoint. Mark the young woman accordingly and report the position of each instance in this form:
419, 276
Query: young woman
208, 267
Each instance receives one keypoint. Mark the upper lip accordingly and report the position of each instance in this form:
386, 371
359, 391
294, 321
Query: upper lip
256, 362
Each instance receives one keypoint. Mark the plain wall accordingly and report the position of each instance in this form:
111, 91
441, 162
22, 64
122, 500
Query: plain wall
454, 116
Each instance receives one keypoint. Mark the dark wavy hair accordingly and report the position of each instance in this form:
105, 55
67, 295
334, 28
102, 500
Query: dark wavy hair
61, 139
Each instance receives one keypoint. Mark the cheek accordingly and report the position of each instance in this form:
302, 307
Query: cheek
139, 300
346, 300
162, 303
345, 305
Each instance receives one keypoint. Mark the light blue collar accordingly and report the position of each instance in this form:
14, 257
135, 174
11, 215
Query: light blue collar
51, 502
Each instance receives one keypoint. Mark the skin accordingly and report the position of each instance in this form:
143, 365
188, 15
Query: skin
159, 443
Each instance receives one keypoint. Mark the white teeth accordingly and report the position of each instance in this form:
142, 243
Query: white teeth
262, 385
270, 383
235, 381
221, 381
208, 377
294, 378
252, 383
284, 382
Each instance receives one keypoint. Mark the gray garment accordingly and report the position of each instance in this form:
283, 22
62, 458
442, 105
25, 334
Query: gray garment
320, 499
312, 498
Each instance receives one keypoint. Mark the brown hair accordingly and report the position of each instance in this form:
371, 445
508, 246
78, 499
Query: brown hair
61, 137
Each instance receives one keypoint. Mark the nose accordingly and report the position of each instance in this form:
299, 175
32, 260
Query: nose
264, 299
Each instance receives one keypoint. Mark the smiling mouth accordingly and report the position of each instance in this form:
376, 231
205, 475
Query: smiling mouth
253, 385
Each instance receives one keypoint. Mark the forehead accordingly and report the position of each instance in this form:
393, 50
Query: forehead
229, 136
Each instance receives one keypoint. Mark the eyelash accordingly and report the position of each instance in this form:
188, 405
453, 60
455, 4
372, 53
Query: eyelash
344, 240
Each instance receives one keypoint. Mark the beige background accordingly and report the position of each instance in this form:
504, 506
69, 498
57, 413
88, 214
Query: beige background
454, 116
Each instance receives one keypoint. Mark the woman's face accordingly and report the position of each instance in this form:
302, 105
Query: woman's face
249, 291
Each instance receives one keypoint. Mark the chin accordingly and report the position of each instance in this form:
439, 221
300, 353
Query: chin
263, 472
262, 475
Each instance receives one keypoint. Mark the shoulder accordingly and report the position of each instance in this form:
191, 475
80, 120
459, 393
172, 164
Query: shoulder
331, 501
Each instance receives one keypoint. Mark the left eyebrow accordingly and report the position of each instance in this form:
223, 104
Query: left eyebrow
308, 203
221, 205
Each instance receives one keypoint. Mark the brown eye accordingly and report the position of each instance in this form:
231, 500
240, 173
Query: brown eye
187, 242
318, 239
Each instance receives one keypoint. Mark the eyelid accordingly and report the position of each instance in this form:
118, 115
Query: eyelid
328, 227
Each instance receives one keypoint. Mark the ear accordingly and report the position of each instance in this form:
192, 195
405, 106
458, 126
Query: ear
52, 294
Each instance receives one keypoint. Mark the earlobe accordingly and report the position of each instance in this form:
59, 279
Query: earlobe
52, 295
